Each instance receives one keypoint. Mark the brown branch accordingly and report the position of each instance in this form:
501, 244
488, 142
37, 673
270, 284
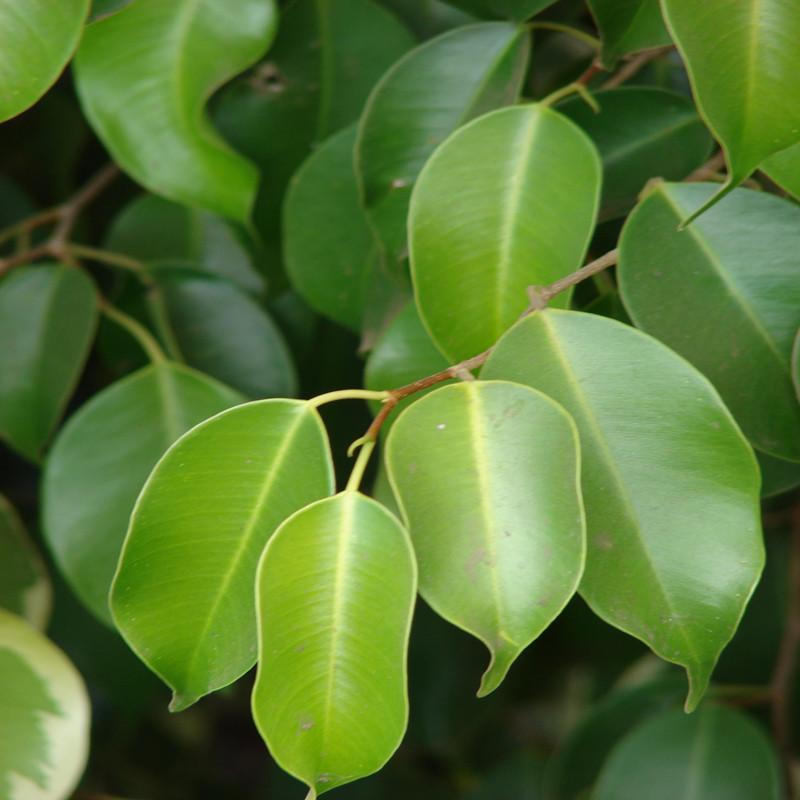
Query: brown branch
708, 170
595, 68
783, 677
630, 68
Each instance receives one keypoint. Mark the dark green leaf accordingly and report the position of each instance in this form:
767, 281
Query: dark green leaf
518, 10
335, 589
48, 314
627, 26
784, 169
777, 475
100, 461
725, 294
669, 482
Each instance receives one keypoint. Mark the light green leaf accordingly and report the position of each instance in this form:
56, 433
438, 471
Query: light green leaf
183, 593
335, 589
423, 98
151, 229
37, 40
326, 59
44, 716
527, 181
755, 110
641, 132
518, 10
627, 26
669, 482
148, 106
716, 754
784, 169
48, 314
332, 257
487, 476
725, 294
100, 461
24, 583
225, 333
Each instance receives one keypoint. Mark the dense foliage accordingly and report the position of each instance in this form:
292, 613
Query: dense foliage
550, 254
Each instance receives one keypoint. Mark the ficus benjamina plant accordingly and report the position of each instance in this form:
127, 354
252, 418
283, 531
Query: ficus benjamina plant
537, 263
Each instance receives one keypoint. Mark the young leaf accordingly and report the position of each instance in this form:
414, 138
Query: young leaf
784, 169
150, 229
183, 593
24, 582
100, 461
716, 754
37, 40
48, 314
527, 181
755, 111
627, 26
335, 591
518, 10
423, 98
44, 715
225, 333
669, 482
487, 476
640, 132
725, 294
148, 107
332, 257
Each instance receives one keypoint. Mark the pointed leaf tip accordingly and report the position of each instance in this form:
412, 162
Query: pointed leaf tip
502, 658
180, 702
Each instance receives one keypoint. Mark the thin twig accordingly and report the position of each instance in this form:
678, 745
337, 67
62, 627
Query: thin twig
595, 68
786, 664
710, 169
630, 68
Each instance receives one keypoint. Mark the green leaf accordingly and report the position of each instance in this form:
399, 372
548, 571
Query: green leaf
755, 111
514, 224
24, 582
326, 59
627, 26
717, 754
104, 8
402, 355
151, 229
784, 169
335, 589
428, 18
640, 132
669, 482
725, 294
37, 40
225, 333
250, 467
777, 475
148, 107
332, 257
44, 715
100, 461
487, 476
48, 314
518, 10
423, 98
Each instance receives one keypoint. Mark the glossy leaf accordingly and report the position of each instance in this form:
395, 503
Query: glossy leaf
487, 476
48, 314
24, 583
335, 589
151, 229
725, 294
640, 132
669, 482
331, 254
528, 184
423, 98
784, 169
627, 26
717, 754
518, 10
44, 715
100, 462
326, 59
183, 593
37, 40
225, 333
148, 107
755, 111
